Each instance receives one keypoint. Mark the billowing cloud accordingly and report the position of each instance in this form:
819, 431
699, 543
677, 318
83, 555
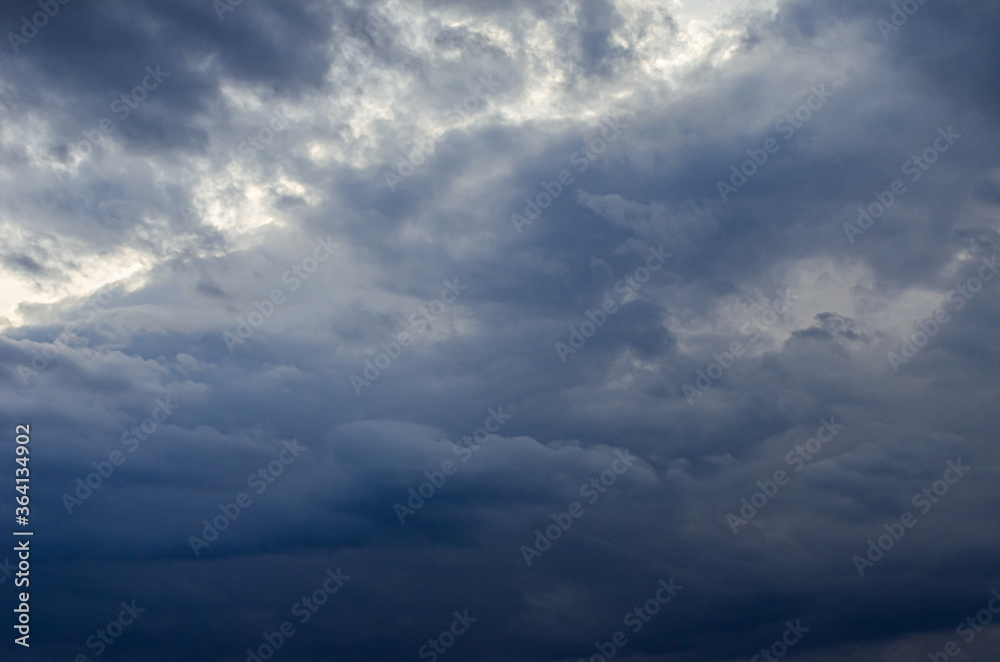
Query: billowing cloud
503, 330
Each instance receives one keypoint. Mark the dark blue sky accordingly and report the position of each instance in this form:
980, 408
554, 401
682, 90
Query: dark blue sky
503, 330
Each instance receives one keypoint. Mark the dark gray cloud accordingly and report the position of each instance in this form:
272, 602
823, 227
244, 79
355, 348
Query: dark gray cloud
232, 274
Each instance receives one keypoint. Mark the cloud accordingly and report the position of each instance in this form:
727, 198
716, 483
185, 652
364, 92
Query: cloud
276, 131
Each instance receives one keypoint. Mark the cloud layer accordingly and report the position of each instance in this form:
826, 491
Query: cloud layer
469, 256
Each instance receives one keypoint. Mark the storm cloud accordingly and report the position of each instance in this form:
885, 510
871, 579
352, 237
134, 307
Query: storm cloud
502, 330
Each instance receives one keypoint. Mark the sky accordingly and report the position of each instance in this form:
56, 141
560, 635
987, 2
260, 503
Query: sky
545, 331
